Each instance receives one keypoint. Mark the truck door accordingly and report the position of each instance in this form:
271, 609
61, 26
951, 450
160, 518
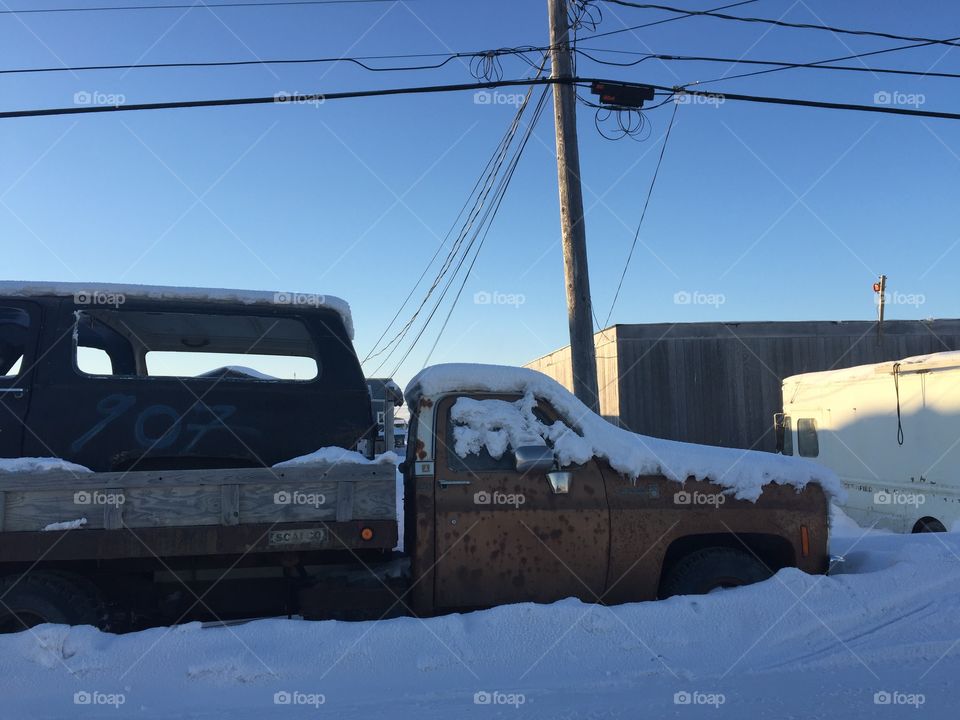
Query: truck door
503, 536
19, 329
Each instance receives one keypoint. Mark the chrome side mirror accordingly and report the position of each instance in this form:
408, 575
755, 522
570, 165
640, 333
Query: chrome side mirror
534, 458
560, 481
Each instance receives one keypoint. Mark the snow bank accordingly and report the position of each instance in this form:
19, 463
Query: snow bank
18, 288
38, 464
337, 455
497, 424
796, 646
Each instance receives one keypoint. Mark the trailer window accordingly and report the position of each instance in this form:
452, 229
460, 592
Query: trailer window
14, 330
808, 444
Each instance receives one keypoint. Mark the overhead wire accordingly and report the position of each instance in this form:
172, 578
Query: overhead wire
485, 59
486, 184
780, 23
643, 214
781, 64
508, 176
187, 6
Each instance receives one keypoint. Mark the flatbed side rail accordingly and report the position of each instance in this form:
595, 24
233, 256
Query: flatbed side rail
329, 493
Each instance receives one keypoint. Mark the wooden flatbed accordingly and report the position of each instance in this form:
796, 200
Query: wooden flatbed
177, 513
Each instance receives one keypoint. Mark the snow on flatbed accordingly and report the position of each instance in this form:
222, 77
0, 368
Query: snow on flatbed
886, 628
494, 424
39, 464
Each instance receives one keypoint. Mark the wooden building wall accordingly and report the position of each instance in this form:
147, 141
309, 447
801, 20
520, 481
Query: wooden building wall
719, 383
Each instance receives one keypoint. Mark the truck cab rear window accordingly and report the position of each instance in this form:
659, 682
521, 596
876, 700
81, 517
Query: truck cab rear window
14, 331
188, 345
808, 445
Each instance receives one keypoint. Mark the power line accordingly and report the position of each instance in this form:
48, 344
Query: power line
505, 184
666, 20
646, 204
278, 99
191, 6
580, 82
743, 61
819, 62
479, 197
779, 23
360, 60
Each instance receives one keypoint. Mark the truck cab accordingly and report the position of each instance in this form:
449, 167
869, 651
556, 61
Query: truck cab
121, 377
485, 530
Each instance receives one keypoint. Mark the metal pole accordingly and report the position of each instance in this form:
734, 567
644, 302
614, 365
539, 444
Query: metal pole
574, 237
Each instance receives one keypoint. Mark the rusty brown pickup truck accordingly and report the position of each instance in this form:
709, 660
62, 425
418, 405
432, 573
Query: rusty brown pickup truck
164, 534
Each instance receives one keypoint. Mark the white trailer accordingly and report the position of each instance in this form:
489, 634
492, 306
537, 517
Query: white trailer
891, 431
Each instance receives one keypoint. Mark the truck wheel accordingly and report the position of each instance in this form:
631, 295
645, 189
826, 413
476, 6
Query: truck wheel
926, 525
45, 597
711, 568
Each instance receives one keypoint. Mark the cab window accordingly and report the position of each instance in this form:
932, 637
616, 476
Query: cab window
482, 461
194, 345
14, 334
787, 435
808, 444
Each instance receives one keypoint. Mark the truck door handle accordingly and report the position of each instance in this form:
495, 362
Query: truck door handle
16, 392
447, 483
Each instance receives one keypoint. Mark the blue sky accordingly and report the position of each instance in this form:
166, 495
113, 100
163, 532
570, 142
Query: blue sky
781, 213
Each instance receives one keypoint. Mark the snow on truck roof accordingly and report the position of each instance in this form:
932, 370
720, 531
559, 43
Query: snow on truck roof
21, 288
917, 363
743, 473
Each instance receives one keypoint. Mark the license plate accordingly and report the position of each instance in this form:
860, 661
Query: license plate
298, 536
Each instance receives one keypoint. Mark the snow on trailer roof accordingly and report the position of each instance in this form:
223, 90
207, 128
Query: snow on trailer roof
743, 473
21, 288
917, 363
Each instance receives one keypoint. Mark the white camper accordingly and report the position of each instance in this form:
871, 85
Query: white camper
891, 431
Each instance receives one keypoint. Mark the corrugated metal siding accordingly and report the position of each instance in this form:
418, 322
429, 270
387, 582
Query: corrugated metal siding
719, 383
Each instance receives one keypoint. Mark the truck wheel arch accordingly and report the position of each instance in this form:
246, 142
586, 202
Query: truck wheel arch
773, 551
928, 524
46, 596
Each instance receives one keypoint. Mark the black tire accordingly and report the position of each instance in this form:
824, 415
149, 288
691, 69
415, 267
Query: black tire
928, 525
711, 568
46, 597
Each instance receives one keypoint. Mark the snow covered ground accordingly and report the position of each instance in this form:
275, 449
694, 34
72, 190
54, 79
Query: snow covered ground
880, 638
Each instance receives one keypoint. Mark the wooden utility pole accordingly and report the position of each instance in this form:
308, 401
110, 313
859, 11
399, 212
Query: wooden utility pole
579, 312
